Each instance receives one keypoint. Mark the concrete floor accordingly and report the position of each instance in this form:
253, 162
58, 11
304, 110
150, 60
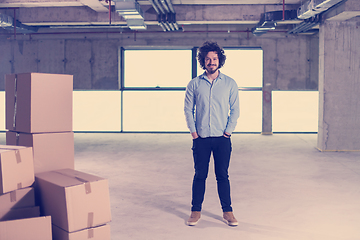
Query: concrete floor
282, 187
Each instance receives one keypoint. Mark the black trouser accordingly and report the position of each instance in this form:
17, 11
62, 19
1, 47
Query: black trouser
202, 149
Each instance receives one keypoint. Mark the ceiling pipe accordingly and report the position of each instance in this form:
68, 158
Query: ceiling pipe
170, 6
162, 26
165, 5
167, 26
306, 25
109, 12
176, 26
166, 14
283, 10
15, 24
124, 32
159, 6
139, 32
161, 14
154, 6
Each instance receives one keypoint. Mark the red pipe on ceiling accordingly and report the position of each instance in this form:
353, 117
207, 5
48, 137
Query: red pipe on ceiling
283, 10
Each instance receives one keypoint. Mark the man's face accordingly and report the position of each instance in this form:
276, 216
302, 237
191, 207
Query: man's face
211, 62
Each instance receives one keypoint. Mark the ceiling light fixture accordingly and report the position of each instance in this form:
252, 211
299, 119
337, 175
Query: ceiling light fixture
5, 20
268, 20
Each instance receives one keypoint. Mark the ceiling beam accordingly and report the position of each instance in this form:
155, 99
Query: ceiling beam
95, 5
345, 11
226, 2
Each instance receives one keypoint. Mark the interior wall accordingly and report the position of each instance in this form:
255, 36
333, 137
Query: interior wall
290, 62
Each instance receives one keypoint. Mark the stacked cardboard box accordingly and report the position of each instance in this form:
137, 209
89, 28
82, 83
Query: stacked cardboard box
39, 115
17, 197
78, 203
38, 228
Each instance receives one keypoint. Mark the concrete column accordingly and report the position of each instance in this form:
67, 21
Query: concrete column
339, 86
270, 76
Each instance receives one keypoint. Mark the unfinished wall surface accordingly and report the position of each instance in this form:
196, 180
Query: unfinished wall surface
289, 62
93, 60
339, 79
94, 63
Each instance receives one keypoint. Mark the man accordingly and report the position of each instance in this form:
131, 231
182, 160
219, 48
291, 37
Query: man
211, 111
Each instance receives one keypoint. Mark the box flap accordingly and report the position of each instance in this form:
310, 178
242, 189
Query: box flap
67, 177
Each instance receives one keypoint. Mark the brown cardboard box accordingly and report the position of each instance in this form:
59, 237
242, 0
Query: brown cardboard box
19, 213
96, 233
75, 200
20, 198
42, 103
38, 228
16, 168
52, 151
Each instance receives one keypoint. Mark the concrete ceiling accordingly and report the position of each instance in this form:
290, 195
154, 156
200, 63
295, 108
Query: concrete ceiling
190, 14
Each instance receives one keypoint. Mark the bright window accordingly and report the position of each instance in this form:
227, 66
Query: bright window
157, 68
154, 111
295, 111
97, 111
250, 119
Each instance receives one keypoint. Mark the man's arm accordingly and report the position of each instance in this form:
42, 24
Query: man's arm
189, 109
234, 109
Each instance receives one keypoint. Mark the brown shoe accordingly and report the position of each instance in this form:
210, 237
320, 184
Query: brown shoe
194, 218
230, 219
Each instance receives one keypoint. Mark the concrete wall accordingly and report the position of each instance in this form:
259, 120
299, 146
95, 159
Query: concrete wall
290, 62
92, 62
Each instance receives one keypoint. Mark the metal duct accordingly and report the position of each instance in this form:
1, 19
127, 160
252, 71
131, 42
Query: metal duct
268, 20
130, 10
314, 7
8, 23
5, 20
306, 25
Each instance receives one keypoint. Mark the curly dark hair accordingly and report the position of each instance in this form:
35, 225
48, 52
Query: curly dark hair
210, 47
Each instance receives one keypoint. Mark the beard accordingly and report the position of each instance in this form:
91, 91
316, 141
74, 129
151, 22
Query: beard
211, 71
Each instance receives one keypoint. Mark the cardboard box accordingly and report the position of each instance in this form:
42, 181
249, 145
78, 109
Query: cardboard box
38, 228
16, 168
52, 151
75, 200
20, 198
97, 233
38, 102
19, 213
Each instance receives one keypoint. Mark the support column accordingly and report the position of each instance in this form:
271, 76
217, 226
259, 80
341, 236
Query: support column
339, 86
